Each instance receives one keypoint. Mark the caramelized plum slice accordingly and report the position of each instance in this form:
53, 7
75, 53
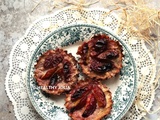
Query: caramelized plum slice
90, 107
80, 105
109, 54
99, 67
53, 80
85, 48
100, 45
66, 70
52, 61
49, 73
99, 95
80, 92
112, 55
104, 68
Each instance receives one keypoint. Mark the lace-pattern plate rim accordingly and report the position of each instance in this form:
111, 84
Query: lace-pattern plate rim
16, 74
69, 36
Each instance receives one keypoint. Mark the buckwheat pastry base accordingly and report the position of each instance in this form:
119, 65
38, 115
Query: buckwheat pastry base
89, 100
56, 71
100, 57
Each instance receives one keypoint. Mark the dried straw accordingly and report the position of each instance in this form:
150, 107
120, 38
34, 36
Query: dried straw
137, 18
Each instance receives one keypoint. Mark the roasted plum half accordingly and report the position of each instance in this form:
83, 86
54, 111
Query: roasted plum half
89, 100
100, 57
56, 71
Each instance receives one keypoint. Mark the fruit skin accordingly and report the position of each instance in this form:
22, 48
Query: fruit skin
52, 61
81, 92
49, 73
100, 45
80, 105
100, 67
109, 54
90, 107
99, 95
53, 80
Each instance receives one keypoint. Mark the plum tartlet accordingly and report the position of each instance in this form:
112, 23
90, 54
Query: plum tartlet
89, 100
100, 57
56, 71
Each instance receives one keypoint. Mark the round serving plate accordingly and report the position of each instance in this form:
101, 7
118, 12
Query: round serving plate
123, 86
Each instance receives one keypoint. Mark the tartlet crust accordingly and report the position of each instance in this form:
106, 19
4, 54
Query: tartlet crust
90, 55
62, 86
99, 113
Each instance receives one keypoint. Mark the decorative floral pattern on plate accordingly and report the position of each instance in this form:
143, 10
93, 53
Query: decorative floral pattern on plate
123, 88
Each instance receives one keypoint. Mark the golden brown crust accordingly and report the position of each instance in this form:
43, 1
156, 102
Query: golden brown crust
99, 112
100, 57
56, 71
